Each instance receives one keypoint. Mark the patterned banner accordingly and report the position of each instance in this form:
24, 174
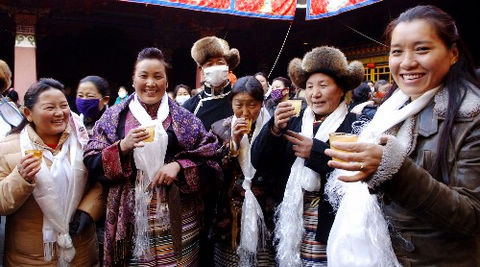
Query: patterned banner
268, 9
317, 9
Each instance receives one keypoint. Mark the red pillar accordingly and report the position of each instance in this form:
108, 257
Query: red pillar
25, 69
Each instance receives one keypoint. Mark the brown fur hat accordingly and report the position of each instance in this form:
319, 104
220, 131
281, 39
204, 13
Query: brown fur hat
212, 46
330, 61
5, 76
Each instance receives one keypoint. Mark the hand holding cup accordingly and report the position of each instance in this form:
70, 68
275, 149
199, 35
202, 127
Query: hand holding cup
239, 128
30, 164
283, 113
341, 137
135, 138
361, 158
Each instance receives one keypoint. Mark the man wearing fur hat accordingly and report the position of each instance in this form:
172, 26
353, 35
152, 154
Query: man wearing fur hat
291, 151
215, 58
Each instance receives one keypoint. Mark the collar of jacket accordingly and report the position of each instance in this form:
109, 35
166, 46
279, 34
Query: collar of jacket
227, 88
427, 123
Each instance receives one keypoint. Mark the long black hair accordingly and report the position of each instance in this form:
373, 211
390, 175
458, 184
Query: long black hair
32, 94
457, 81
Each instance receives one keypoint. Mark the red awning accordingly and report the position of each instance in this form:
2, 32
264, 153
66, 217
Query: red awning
269, 9
317, 9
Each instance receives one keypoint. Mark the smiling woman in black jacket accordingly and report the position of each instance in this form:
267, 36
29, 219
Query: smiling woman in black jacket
290, 151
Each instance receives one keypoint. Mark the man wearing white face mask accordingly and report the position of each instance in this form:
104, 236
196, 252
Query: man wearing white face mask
215, 58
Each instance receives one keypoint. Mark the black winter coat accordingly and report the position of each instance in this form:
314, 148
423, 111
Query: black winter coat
273, 157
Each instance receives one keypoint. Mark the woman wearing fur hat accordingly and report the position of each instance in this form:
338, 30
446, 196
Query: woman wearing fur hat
216, 59
292, 148
419, 156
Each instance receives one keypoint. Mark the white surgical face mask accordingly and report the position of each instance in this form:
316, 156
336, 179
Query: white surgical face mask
216, 75
181, 99
122, 94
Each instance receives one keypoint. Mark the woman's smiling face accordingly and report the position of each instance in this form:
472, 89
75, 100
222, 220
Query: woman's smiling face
322, 93
50, 114
419, 60
150, 80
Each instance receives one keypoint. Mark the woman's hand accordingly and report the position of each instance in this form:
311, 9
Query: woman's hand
166, 174
133, 139
238, 130
29, 167
302, 146
283, 113
362, 157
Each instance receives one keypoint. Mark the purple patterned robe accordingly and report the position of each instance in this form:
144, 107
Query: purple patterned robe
196, 145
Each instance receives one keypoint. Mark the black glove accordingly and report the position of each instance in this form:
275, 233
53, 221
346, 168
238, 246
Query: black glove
79, 222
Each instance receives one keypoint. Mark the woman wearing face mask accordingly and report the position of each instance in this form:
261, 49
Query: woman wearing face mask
150, 152
245, 207
280, 91
45, 194
122, 95
182, 93
290, 151
411, 182
215, 58
92, 99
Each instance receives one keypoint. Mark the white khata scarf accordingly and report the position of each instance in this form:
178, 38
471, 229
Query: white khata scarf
289, 226
148, 159
252, 223
58, 191
359, 235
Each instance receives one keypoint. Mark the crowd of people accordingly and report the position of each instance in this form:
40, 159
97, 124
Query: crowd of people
243, 173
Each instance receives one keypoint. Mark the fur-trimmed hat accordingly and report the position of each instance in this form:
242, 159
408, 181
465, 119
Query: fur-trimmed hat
212, 46
330, 61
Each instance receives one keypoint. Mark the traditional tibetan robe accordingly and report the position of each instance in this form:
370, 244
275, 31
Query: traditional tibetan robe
171, 243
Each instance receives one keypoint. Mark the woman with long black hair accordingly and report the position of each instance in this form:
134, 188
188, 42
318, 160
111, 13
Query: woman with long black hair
419, 156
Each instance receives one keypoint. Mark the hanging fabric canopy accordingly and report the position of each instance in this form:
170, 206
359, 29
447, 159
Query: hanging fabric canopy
268, 9
317, 9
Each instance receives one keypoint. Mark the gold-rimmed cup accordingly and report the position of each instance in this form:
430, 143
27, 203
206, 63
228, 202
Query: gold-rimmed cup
341, 137
248, 128
297, 105
37, 153
151, 133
